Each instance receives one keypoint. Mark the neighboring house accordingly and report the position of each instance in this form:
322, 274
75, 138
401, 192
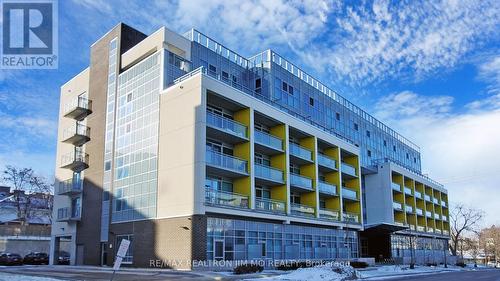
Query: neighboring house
40, 207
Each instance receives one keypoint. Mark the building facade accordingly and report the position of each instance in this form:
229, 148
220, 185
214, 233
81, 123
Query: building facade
196, 153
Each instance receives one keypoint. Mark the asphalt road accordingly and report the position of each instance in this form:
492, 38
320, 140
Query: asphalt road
479, 275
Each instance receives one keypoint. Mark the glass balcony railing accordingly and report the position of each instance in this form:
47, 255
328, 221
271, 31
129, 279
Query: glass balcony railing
446, 232
348, 169
399, 223
396, 187
444, 218
409, 209
349, 193
351, 217
418, 194
412, 227
428, 214
408, 191
301, 152
329, 214
70, 186
438, 231
419, 212
435, 200
226, 161
437, 216
301, 181
443, 204
327, 188
268, 173
302, 210
420, 228
268, 140
225, 199
67, 214
326, 161
397, 206
427, 198
269, 205
227, 125
430, 229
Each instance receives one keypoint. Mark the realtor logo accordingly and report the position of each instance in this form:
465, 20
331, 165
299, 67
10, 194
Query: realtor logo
29, 34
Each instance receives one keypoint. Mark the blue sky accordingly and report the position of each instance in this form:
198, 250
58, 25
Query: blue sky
429, 69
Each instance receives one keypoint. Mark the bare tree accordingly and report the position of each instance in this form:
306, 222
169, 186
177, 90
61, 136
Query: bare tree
463, 220
490, 241
28, 191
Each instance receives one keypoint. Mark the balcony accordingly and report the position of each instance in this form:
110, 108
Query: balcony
326, 163
409, 209
435, 200
437, 216
428, 214
349, 194
400, 223
268, 175
327, 188
427, 198
420, 228
419, 212
301, 182
444, 218
225, 199
300, 154
396, 187
350, 217
397, 206
443, 204
66, 214
268, 144
412, 227
302, 210
348, 169
76, 160
408, 191
269, 205
225, 165
70, 187
430, 230
329, 214
438, 231
225, 129
78, 109
446, 232
418, 195
76, 135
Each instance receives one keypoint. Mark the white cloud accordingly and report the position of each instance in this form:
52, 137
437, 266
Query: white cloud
460, 150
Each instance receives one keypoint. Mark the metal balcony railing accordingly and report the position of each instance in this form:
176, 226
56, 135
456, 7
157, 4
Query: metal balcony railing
77, 160
226, 199
78, 108
77, 134
70, 186
226, 125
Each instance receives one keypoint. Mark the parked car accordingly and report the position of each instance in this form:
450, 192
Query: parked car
63, 258
10, 259
36, 258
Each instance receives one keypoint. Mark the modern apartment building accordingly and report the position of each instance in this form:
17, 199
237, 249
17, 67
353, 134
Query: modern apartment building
194, 152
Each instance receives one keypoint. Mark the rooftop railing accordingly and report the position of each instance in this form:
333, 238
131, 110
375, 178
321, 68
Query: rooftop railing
402, 165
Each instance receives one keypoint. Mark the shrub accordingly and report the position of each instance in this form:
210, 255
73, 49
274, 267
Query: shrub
247, 268
358, 264
461, 264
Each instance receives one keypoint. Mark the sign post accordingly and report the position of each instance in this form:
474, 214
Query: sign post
120, 254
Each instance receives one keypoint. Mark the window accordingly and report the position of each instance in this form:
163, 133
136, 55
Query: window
258, 83
311, 101
129, 97
294, 169
129, 255
263, 160
262, 192
407, 156
212, 68
225, 75
414, 159
284, 86
356, 126
235, 79
368, 133
337, 116
394, 148
295, 198
290, 89
385, 143
107, 166
322, 204
369, 152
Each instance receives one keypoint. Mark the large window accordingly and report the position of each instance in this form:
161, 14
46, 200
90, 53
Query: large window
129, 256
